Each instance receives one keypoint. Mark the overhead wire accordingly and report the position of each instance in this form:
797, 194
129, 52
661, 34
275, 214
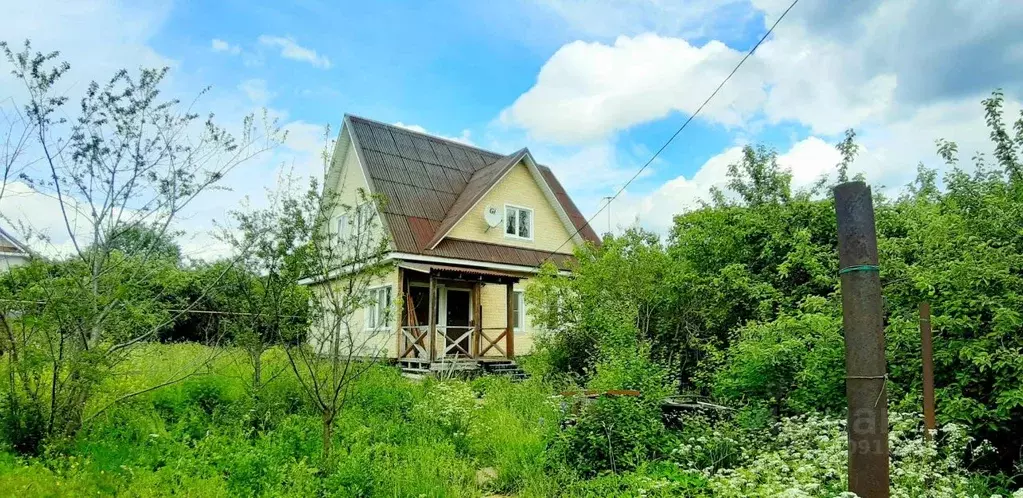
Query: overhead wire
677, 132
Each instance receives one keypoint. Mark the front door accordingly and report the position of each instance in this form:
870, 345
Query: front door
456, 318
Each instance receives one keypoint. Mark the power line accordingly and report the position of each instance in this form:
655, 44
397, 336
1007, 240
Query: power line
175, 310
679, 130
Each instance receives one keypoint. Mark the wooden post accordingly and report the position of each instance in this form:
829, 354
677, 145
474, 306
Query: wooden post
928, 359
509, 336
865, 368
477, 318
433, 319
402, 316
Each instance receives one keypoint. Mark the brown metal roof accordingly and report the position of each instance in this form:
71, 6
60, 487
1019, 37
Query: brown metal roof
466, 270
427, 180
496, 253
478, 185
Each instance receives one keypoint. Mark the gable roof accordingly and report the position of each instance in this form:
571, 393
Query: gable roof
430, 183
479, 184
11, 246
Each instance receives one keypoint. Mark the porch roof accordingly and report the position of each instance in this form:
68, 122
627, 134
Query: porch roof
464, 273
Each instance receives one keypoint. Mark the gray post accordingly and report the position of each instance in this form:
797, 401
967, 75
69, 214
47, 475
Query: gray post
928, 360
864, 341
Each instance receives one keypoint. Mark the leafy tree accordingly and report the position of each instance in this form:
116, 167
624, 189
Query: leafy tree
757, 178
295, 236
123, 161
848, 148
746, 291
143, 239
269, 305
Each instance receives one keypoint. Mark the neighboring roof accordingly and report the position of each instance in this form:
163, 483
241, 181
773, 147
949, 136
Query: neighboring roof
10, 245
430, 182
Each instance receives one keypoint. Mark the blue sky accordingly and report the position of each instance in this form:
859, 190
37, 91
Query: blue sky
592, 88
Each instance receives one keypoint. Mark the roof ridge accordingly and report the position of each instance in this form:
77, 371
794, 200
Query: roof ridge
426, 135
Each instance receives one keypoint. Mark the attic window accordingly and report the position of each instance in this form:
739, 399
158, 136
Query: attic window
518, 222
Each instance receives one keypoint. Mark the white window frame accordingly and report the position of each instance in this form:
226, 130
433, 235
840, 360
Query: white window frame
519, 319
375, 309
518, 209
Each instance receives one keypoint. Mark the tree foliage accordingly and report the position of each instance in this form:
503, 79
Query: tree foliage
742, 301
122, 165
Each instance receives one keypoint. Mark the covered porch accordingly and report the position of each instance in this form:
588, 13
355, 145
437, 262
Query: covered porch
455, 317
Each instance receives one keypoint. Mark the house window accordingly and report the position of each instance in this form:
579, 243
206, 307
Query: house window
353, 223
519, 310
343, 227
378, 309
518, 222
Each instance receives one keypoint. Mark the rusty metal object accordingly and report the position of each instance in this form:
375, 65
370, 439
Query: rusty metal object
928, 359
866, 374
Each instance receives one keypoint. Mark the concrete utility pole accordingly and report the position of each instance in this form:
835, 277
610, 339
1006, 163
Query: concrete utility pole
866, 373
928, 359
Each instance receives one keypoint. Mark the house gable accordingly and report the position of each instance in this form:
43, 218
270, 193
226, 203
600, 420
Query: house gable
517, 188
430, 184
346, 177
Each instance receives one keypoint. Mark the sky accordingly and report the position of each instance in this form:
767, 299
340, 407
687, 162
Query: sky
592, 88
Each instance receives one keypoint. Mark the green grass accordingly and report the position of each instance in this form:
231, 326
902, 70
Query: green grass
206, 436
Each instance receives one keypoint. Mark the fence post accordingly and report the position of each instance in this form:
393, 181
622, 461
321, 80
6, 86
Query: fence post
866, 374
928, 359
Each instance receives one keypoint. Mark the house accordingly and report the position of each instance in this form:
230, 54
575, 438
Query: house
467, 227
12, 252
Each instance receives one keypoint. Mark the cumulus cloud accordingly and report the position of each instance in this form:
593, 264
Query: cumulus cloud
290, 49
828, 66
219, 45
807, 160
99, 37
888, 159
587, 91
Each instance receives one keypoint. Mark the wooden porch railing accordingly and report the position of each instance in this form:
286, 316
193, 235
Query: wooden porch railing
487, 342
413, 337
454, 347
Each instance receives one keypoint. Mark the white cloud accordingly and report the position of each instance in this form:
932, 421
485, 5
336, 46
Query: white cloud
256, 90
99, 37
828, 66
807, 159
888, 159
290, 49
464, 138
587, 91
219, 45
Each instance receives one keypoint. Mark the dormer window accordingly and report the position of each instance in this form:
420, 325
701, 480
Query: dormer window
518, 222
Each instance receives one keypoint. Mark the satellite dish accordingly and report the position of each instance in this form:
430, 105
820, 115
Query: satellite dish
492, 216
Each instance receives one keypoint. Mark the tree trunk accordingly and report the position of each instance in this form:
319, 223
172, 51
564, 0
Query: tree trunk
257, 371
328, 439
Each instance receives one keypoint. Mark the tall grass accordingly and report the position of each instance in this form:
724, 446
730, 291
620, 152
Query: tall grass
209, 435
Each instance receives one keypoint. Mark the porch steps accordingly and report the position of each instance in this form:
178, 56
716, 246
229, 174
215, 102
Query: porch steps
418, 369
507, 368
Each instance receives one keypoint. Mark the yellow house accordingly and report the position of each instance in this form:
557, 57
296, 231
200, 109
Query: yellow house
467, 228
